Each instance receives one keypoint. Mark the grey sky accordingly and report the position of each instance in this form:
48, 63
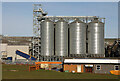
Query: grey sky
17, 17
60, 0
0, 18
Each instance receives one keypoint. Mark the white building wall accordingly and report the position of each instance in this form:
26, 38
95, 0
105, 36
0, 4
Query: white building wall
3, 47
3, 50
11, 51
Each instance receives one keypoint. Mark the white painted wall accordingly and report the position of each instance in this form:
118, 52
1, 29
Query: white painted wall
3, 49
11, 51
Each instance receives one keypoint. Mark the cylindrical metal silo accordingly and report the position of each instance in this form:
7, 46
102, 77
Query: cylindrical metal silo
77, 37
47, 38
61, 38
96, 37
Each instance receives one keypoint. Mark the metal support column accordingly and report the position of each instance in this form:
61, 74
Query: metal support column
36, 31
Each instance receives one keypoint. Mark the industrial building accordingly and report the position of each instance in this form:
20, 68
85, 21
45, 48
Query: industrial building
103, 66
9, 51
9, 45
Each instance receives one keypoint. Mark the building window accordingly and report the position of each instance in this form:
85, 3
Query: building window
116, 67
98, 67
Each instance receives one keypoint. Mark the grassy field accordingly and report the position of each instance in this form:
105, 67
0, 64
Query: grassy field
22, 72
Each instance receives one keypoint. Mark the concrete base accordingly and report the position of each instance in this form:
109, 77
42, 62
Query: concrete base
77, 55
61, 58
52, 58
86, 55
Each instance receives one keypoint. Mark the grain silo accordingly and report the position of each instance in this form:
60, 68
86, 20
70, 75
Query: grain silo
96, 37
47, 38
61, 38
77, 38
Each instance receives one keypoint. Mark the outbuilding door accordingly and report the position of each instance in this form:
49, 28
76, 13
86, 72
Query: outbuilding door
88, 69
78, 68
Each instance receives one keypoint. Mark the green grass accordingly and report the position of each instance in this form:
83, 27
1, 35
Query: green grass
22, 72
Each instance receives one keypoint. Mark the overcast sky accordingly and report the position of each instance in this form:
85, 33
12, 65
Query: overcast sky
17, 17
